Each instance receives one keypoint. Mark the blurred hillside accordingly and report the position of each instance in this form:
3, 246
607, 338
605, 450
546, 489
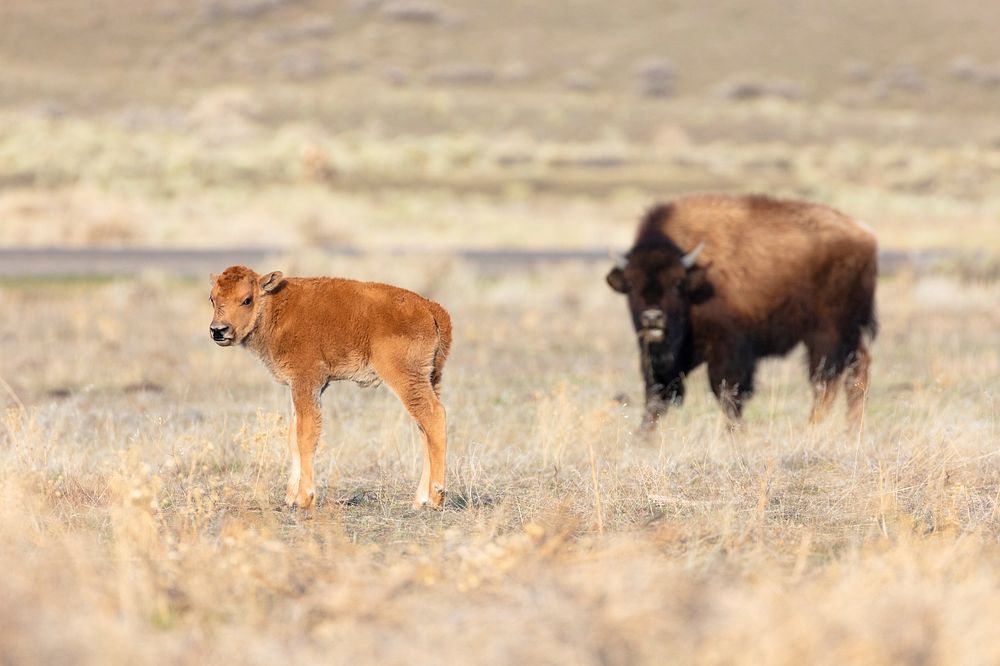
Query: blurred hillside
477, 120
100, 55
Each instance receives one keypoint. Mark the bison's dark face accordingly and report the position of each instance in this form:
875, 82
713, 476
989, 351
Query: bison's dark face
662, 283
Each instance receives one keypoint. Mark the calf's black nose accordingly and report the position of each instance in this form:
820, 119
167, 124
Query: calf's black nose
218, 331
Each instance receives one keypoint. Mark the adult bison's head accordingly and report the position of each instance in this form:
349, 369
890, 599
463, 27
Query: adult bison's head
236, 295
661, 283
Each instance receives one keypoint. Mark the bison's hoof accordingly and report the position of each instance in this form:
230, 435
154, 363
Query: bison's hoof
648, 429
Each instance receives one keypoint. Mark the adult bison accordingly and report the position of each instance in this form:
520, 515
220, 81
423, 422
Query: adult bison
311, 331
727, 280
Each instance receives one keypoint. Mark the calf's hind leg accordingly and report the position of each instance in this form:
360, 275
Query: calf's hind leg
413, 387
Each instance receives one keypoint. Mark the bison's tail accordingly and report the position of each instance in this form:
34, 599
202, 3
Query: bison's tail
869, 319
870, 327
866, 321
442, 324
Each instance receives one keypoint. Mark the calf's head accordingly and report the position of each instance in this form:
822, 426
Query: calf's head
661, 283
236, 298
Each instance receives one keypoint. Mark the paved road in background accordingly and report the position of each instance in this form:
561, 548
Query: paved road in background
189, 262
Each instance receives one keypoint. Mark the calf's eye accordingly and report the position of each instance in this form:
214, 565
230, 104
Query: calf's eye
247, 301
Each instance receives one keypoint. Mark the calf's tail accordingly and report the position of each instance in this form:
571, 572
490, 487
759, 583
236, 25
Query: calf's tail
442, 325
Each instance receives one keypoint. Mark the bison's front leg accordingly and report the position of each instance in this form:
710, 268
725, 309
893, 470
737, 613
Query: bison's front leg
305, 399
664, 387
732, 383
856, 380
656, 406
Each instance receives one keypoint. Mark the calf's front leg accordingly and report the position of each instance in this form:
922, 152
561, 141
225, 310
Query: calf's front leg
294, 466
307, 423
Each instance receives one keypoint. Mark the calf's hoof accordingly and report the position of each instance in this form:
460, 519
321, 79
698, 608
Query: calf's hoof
434, 501
301, 500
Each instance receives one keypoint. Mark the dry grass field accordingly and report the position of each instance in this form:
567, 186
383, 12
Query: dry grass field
142, 468
142, 474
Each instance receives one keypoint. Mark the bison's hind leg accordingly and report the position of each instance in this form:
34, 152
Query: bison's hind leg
856, 384
830, 357
826, 363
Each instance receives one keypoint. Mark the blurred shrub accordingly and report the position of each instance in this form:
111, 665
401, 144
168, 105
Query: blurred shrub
226, 105
747, 87
857, 71
514, 72
964, 68
462, 74
903, 77
656, 77
396, 76
315, 27
989, 76
412, 11
215, 10
304, 65
580, 80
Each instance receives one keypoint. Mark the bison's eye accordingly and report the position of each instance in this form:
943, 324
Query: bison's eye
248, 300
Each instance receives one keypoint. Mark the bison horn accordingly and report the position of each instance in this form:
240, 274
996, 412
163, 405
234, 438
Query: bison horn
687, 261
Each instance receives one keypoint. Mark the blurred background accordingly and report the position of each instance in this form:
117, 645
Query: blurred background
487, 155
437, 124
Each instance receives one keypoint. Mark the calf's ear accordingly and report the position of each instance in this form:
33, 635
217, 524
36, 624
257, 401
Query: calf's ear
616, 280
697, 286
272, 282
212, 278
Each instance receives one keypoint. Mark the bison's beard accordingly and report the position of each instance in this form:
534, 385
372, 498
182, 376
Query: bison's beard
660, 369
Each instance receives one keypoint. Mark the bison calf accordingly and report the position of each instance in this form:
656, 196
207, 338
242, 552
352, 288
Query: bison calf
311, 331
728, 280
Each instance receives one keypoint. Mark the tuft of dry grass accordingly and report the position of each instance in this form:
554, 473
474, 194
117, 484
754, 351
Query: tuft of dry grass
142, 518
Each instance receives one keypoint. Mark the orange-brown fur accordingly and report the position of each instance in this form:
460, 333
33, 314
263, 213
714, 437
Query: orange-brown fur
311, 331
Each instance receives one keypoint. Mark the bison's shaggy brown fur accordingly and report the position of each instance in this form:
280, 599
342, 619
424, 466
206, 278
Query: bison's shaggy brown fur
760, 275
311, 331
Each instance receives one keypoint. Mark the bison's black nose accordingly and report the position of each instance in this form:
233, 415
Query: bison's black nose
653, 318
219, 331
